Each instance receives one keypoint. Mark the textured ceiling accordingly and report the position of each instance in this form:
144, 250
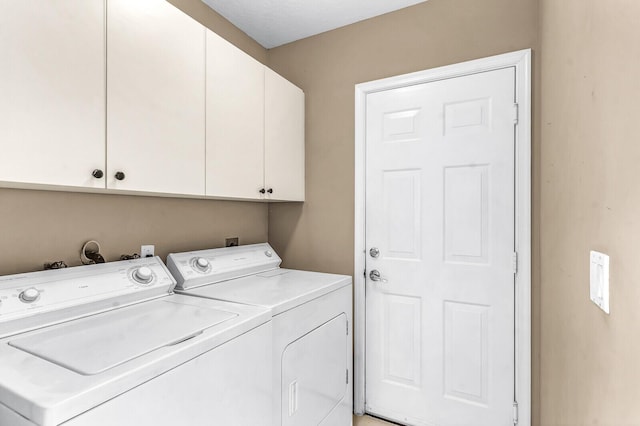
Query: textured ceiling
276, 22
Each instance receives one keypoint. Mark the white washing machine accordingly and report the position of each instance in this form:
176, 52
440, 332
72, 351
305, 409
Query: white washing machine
110, 345
312, 345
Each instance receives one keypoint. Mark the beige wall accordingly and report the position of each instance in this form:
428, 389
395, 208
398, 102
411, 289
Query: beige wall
202, 13
590, 201
45, 226
42, 226
319, 234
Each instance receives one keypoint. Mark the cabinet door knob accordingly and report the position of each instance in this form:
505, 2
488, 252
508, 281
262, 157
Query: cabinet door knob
97, 173
270, 190
262, 191
120, 176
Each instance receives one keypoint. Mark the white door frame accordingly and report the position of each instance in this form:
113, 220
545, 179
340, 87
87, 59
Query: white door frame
521, 61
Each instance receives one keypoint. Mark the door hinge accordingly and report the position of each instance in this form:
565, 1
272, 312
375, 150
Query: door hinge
364, 273
516, 113
515, 412
514, 262
347, 327
347, 376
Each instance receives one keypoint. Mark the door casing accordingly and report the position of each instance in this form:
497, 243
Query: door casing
521, 61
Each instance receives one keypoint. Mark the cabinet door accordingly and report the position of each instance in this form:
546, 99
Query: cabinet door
284, 139
52, 95
235, 121
155, 94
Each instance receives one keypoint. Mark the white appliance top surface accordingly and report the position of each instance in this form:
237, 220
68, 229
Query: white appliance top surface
55, 373
278, 290
95, 344
276, 22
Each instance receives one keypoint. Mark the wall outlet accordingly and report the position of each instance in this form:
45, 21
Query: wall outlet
599, 280
147, 251
231, 242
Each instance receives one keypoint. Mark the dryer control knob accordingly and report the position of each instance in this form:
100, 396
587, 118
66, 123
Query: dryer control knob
202, 263
30, 295
143, 275
268, 253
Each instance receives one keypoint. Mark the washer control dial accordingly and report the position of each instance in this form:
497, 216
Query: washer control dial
30, 295
143, 275
201, 264
268, 253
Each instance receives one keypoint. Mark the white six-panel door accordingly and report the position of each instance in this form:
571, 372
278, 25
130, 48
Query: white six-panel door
440, 211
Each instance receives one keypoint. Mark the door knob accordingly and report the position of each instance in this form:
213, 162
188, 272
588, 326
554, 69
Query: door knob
262, 191
97, 173
119, 176
374, 252
375, 276
270, 190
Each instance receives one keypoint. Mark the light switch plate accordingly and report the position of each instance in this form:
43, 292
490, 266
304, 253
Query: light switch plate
599, 280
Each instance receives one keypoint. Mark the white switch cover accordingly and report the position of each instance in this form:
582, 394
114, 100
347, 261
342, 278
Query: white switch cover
599, 280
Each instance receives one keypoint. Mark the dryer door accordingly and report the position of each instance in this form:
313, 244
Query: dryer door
314, 373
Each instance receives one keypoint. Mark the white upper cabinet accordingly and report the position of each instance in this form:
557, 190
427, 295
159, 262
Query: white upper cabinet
235, 121
141, 98
255, 128
52, 92
156, 98
284, 139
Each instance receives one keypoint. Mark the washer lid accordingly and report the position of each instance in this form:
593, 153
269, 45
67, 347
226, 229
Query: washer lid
98, 343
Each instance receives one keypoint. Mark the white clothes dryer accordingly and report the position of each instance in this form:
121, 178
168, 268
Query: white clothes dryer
109, 344
312, 345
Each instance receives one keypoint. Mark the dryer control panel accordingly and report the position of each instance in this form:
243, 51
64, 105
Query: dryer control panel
197, 268
41, 298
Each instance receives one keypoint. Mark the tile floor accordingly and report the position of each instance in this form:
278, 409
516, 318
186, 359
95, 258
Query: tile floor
369, 421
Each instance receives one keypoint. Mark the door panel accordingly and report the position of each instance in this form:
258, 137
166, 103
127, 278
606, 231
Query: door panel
235, 121
440, 208
465, 352
283, 138
156, 98
403, 340
466, 214
52, 77
402, 213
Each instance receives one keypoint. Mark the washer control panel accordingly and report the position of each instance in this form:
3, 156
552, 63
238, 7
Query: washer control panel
193, 269
54, 295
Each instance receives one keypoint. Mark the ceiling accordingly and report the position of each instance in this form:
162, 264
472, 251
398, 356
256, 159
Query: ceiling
273, 23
